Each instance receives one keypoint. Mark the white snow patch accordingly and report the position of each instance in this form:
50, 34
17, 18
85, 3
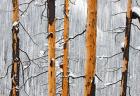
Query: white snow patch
15, 23
36, 3
46, 44
107, 84
136, 10
17, 87
53, 59
56, 63
41, 53
25, 66
23, 15
138, 47
96, 80
17, 28
58, 71
122, 44
72, 74
131, 77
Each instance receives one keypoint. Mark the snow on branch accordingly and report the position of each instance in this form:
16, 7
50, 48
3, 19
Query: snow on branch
109, 56
16, 23
108, 85
136, 10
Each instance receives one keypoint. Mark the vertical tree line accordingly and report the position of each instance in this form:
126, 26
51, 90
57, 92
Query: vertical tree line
89, 86
15, 50
123, 89
65, 79
90, 58
51, 48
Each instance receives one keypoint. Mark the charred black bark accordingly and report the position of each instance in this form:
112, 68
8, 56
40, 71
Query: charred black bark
124, 78
135, 15
93, 87
126, 56
51, 11
52, 63
15, 62
127, 35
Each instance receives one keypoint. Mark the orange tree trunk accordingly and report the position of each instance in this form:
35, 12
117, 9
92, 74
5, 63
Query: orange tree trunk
15, 50
65, 83
89, 86
51, 48
126, 50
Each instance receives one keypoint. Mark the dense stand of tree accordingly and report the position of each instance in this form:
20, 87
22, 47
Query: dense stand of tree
90, 58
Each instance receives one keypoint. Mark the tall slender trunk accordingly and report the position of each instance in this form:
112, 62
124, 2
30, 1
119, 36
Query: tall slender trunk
126, 50
15, 50
89, 86
51, 48
65, 82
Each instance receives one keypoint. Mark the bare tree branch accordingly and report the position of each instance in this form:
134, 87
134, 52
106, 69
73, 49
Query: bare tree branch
28, 5
108, 85
6, 72
109, 56
32, 77
118, 13
28, 33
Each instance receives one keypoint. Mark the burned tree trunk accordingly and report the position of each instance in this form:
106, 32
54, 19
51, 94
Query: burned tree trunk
89, 86
15, 50
65, 81
51, 48
126, 50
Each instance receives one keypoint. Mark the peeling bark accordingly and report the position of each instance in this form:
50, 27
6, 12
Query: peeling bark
92, 91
